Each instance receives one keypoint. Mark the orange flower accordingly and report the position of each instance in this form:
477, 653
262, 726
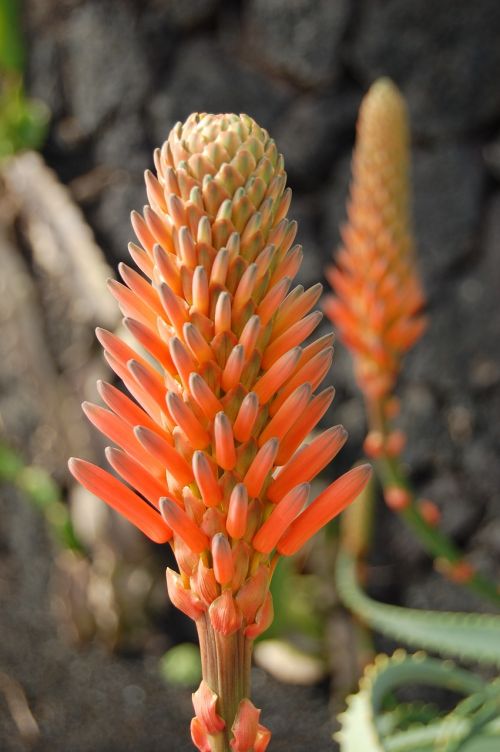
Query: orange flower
378, 297
222, 387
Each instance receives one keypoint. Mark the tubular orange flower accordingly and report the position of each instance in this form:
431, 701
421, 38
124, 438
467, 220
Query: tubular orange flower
378, 297
229, 399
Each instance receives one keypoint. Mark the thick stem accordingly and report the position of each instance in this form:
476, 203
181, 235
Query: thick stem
225, 663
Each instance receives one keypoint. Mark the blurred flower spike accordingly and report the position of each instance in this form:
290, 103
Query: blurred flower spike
377, 307
224, 394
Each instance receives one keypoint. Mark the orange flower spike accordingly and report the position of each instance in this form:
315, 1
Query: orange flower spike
229, 399
377, 261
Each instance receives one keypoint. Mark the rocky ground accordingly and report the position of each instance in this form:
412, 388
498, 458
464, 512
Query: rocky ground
117, 75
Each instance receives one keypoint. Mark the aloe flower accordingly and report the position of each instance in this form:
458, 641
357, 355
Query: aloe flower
378, 296
210, 448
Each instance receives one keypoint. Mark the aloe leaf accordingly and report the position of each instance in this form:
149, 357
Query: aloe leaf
364, 727
473, 637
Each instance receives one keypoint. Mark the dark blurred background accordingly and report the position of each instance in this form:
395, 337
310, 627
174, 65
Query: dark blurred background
78, 663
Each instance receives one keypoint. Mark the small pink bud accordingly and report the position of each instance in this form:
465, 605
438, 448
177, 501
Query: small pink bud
397, 498
184, 556
429, 511
245, 727
199, 735
263, 619
225, 615
250, 596
461, 571
222, 556
213, 522
392, 407
241, 558
205, 707
374, 444
203, 582
395, 443
262, 739
185, 600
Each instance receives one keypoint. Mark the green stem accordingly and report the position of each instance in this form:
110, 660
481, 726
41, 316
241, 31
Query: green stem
225, 663
391, 473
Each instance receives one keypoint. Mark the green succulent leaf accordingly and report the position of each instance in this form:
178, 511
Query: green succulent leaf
473, 726
471, 637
